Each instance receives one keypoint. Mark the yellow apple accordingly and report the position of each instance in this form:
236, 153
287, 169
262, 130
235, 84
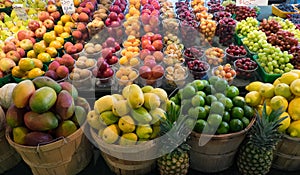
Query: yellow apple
70, 24
49, 36
60, 39
51, 51
60, 23
59, 29
64, 35
67, 29
39, 47
65, 18
44, 57
56, 44
31, 54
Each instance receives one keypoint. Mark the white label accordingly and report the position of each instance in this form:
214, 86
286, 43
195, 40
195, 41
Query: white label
251, 2
68, 6
20, 11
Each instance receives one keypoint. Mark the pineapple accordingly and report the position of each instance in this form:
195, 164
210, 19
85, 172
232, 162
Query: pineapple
176, 162
256, 154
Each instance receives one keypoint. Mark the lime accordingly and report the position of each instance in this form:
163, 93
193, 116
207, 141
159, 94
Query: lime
236, 125
198, 100
237, 112
193, 112
223, 128
226, 116
207, 109
214, 120
210, 99
219, 95
227, 103
202, 113
248, 111
213, 79
238, 101
201, 93
209, 90
200, 125
217, 108
221, 85
232, 91
245, 121
198, 85
179, 94
188, 92
205, 82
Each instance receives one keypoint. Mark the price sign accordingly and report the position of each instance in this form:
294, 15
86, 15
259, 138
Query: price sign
20, 11
68, 6
251, 2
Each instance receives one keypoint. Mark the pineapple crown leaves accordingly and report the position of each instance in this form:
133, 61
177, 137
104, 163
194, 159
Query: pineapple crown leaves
167, 124
264, 133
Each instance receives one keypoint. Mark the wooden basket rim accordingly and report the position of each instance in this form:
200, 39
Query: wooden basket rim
48, 146
226, 136
296, 139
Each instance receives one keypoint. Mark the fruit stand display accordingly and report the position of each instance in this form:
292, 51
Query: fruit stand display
173, 85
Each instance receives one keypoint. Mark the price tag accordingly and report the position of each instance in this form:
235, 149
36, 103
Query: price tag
68, 6
251, 2
20, 11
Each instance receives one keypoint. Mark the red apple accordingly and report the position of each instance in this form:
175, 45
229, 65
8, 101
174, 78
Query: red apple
158, 45
39, 33
33, 25
121, 16
113, 16
110, 42
145, 43
26, 44
108, 73
145, 17
51, 8
144, 53
156, 37
14, 55
157, 71
49, 24
150, 47
23, 34
21, 52
150, 63
107, 53
55, 15
43, 15
8, 47
113, 60
90, 6
145, 72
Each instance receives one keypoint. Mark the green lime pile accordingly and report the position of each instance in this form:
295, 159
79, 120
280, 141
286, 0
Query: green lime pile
217, 106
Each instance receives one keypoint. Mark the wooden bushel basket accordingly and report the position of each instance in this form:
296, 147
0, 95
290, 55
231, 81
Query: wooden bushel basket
8, 156
66, 156
218, 153
120, 166
287, 154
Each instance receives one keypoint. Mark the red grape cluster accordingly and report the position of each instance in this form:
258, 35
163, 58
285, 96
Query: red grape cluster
283, 39
245, 68
234, 52
215, 8
269, 26
231, 8
226, 31
243, 12
295, 51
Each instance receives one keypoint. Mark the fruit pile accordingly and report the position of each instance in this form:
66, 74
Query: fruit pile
246, 26
130, 118
282, 94
36, 120
217, 106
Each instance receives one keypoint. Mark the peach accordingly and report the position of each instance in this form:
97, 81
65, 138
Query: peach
77, 35
67, 44
81, 27
62, 71
79, 47
83, 17
54, 65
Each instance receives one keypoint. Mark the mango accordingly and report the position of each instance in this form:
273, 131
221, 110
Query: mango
152, 101
126, 124
42, 99
14, 116
65, 129
111, 133
141, 115
22, 93
135, 96
147, 89
118, 97
128, 139
157, 114
144, 131
104, 103
44, 81
120, 108
40, 122
37, 138
93, 120
83, 103
79, 116
125, 92
19, 134
108, 117
161, 93
65, 106
70, 88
